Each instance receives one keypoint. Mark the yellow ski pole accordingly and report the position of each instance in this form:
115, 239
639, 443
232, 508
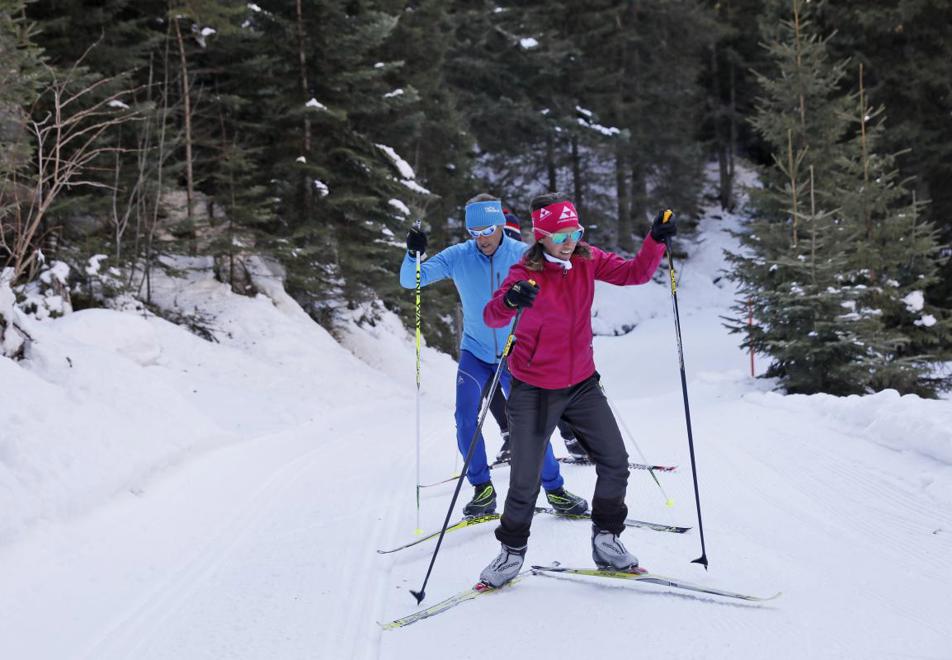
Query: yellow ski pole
419, 349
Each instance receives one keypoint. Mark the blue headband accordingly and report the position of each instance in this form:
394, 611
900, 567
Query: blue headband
484, 214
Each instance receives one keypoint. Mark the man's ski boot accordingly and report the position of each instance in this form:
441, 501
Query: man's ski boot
565, 502
575, 449
503, 454
483, 502
504, 567
610, 554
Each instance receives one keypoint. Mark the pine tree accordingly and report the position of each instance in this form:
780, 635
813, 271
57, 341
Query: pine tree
795, 269
731, 88
491, 71
423, 122
895, 259
906, 47
21, 75
336, 229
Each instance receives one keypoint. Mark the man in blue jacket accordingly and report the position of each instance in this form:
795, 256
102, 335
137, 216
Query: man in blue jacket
477, 268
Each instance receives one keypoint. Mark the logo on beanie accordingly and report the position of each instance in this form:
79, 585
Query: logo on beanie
547, 220
568, 214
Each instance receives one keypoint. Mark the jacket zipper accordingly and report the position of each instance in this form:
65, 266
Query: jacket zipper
571, 297
495, 340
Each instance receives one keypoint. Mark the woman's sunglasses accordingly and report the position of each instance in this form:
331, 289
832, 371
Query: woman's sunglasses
488, 231
576, 235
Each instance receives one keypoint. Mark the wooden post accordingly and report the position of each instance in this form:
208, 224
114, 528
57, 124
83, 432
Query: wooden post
750, 324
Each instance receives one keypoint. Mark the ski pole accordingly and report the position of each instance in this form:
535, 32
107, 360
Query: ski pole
668, 214
421, 594
667, 500
418, 315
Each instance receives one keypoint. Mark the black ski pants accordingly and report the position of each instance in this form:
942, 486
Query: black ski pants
498, 409
533, 415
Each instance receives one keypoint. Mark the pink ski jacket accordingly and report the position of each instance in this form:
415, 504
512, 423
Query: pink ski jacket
553, 348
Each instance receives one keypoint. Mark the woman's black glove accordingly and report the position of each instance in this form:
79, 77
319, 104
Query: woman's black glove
521, 294
416, 241
664, 226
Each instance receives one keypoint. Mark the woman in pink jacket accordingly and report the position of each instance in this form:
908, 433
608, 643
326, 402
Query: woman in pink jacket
553, 375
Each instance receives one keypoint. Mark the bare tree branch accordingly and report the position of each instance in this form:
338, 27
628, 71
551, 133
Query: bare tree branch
67, 146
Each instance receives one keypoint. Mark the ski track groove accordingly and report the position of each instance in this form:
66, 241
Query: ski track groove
364, 582
127, 637
399, 510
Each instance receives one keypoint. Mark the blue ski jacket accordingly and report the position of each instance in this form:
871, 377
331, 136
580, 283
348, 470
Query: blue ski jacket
476, 277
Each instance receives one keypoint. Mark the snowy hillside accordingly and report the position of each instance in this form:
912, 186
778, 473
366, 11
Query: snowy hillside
170, 497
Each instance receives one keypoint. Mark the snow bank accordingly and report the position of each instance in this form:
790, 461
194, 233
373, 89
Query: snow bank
902, 423
106, 399
389, 348
85, 417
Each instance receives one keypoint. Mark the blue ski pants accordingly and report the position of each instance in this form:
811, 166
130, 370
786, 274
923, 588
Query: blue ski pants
471, 378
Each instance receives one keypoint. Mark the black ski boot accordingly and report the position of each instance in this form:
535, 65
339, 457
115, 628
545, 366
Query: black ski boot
565, 502
503, 454
575, 449
483, 502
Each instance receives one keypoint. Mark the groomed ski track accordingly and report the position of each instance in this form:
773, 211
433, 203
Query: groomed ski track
267, 548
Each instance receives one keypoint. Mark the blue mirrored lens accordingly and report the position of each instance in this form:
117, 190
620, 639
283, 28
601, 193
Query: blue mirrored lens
558, 239
488, 231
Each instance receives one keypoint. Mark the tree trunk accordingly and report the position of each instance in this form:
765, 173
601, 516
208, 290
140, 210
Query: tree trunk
791, 165
720, 139
187, 109
732, 143
621, 192
577, 177
550, 161
639, 197
302, 58
867, 216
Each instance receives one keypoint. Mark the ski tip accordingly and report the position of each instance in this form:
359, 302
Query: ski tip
419, 595
669, 503
418, 531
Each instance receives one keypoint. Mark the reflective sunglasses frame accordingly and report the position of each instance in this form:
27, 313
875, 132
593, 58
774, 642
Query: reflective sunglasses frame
488, 231
560, 238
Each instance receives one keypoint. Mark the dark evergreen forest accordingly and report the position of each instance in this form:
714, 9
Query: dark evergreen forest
313, 133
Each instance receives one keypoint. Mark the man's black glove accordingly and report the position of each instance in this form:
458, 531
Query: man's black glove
664, 226
416, 241
521, 294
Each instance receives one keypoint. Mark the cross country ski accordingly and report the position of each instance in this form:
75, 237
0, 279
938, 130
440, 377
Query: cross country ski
476, 520
479, 589
568, 460
651, 578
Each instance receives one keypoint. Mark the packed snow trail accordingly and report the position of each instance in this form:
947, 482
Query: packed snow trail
262, 544
855, 535
252, 551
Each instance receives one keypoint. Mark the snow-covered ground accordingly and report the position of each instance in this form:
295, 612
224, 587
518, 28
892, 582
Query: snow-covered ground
168, 497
